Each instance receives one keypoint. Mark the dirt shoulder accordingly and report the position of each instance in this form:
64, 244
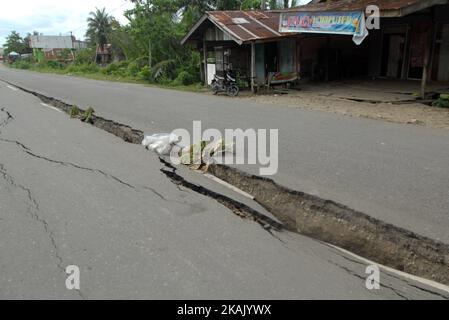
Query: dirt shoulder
379, 100
360, 102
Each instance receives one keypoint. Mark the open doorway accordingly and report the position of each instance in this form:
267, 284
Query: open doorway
419, 42
393, 55
271, 57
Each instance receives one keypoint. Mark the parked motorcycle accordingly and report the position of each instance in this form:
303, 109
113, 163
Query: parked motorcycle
226, 84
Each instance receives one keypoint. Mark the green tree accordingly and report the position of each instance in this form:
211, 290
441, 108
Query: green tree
273, 4
14, 42
99, 27
155, 29
290, 3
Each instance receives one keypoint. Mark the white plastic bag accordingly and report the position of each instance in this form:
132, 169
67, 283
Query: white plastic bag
162, 143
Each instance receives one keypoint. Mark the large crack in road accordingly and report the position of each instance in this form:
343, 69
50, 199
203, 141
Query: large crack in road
344, 227
312, 216
236, 207
33, 205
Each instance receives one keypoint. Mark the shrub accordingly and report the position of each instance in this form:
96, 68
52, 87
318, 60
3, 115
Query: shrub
42, 64
22, 64
65, 54
184, 78
110, 68
133, 69
116, 69
55, 65
89, 68
163, 71
442, 101
241, 83
73, 68
123, 64
83, 68
165, 81
85, 56
144, 74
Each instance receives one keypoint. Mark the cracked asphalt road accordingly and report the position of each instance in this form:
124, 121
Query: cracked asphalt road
71, 194
395, 173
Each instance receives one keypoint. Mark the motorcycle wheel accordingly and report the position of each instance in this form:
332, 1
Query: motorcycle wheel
233, 91
215, 89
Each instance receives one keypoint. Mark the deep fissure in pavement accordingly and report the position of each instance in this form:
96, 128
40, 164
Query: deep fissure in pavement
309, 215
344, 227
122, 131
237, 207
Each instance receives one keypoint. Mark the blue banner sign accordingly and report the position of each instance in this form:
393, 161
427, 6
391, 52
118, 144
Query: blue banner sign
349, 22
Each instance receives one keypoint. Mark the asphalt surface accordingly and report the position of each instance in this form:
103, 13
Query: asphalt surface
397, 173
72, 194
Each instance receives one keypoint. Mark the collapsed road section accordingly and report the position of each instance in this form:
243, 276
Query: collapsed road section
309, 215
344, 227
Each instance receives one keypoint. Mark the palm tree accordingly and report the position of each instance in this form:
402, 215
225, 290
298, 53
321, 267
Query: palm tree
99, 27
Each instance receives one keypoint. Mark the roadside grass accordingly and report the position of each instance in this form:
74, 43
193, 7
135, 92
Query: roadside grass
100, 73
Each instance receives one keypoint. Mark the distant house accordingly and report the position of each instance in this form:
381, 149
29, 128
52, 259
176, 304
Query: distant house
57, 48
13, 57
79, 45
103, 54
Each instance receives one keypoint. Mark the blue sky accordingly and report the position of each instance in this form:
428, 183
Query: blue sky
53, 17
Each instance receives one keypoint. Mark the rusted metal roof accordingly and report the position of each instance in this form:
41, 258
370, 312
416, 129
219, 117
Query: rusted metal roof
51, 42
242, 26
253, 26
388, 8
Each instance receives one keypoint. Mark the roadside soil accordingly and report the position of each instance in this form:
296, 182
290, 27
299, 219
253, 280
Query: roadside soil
391, 101
359, 101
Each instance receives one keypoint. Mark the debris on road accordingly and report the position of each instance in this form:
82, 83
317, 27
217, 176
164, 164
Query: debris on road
203, 154
161, 143
196, 156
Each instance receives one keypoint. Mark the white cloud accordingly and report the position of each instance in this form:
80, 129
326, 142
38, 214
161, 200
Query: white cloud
54, 17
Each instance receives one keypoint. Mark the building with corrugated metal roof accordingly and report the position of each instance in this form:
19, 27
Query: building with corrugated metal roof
240, 40
328, 40
55, 47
